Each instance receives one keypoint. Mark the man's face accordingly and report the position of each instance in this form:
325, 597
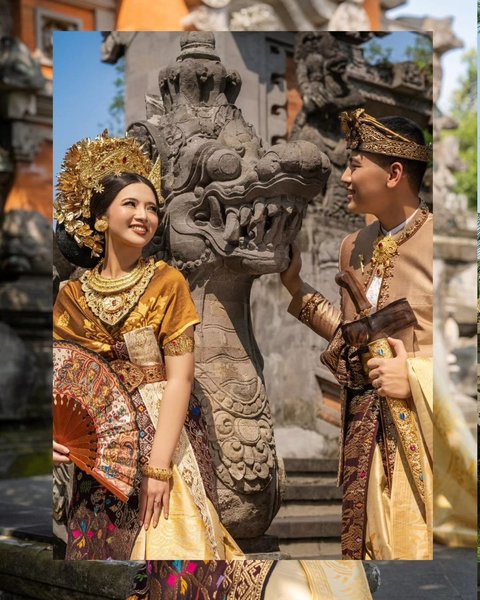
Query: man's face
366, 183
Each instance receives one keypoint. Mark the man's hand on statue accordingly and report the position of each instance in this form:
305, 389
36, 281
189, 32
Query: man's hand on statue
389, 376
60, 454
291, 276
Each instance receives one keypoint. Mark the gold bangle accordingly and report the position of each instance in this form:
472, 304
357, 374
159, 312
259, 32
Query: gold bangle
156, 473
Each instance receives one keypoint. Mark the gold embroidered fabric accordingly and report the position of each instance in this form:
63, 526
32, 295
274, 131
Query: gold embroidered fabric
183, 344
132, 375
165, 305
245, 579
163, 312
405, 424
364, 133
315, 311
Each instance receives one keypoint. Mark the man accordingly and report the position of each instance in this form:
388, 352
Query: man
386, 445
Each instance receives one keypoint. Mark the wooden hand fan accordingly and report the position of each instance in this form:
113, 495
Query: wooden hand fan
94, 417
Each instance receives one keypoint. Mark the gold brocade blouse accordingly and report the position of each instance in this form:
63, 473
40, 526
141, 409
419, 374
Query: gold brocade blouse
165, 305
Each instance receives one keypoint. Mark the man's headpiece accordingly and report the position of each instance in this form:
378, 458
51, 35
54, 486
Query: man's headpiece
84, 166
366, 134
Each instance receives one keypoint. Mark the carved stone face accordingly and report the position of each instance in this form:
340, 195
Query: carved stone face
241, 211
228, 201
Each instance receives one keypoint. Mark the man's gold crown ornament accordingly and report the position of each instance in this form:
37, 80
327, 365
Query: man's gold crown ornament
84, 166
364, 133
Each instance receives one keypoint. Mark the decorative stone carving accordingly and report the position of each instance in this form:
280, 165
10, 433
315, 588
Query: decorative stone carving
323, 84
26, 298
25, 243
26, 141
18, 372
231, 210
349, 16
18, 69
7, 172
254, 17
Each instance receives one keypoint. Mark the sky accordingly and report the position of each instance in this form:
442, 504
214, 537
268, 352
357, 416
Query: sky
83, 85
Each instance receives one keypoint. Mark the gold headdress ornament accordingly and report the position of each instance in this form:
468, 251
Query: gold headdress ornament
366, 134
84, 166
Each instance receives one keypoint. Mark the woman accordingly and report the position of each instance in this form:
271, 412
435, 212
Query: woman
138, 315
252, 579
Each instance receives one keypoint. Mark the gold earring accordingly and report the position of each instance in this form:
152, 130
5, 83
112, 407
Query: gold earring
101, 225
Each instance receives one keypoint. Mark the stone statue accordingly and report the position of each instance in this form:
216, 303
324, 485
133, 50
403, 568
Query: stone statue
18, 69
322, 61
231, 210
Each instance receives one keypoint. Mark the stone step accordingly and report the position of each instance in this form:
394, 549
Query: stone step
310, 465
310, 509
305, 527
313, 489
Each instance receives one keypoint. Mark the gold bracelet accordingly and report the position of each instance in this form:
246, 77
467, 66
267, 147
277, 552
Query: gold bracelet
156, 473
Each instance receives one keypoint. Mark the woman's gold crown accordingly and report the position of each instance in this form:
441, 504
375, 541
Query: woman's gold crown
85, 164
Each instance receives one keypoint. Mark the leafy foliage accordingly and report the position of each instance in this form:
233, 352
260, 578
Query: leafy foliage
464, 109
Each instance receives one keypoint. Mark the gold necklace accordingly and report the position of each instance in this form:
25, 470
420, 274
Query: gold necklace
113, 301
103, 285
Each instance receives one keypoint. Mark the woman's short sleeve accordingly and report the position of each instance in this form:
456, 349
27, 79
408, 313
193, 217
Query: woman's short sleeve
180, 312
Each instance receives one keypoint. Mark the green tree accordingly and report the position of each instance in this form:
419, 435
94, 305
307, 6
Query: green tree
419, 53
464, 109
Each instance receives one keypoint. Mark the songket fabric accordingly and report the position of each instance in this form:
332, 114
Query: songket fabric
386, 475
99, 525
251, 580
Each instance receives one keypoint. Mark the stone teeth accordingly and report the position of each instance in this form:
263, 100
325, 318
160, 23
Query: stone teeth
216, 218
232, 227
245, 215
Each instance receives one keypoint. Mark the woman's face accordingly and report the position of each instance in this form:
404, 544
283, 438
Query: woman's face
132, 216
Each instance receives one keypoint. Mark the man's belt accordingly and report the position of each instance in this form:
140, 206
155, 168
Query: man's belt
132, 375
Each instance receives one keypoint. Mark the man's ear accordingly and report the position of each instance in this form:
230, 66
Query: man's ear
395, 173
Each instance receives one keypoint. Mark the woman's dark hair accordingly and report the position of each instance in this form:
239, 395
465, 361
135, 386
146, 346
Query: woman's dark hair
414, 169
99, 203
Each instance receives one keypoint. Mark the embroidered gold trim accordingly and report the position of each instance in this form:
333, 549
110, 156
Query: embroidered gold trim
309, 309
64, 319
112, 308
364, 133
404, 422
183, 344
132, 375
245, 579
